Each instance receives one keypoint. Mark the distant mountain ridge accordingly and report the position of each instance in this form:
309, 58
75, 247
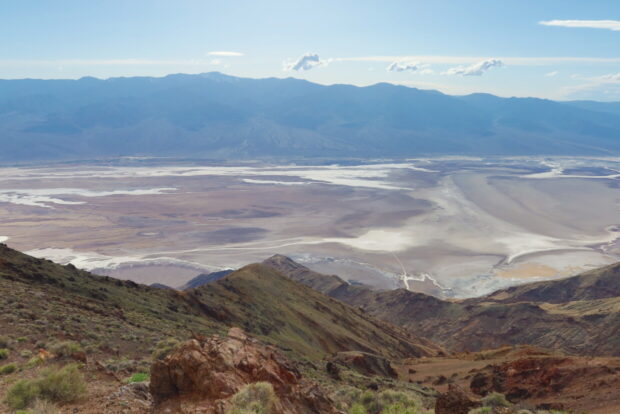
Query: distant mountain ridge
579, 315
219, 116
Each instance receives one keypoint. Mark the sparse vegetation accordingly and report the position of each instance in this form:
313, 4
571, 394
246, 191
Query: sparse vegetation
4, 353
65, 349
257, 398
65, 384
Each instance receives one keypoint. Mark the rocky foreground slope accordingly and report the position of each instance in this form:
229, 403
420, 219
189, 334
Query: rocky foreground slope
72, 341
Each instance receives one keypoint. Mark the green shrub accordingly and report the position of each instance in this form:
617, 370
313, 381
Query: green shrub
4, 353
357, 408
62, 385
65, 349
354, 401
8, 369
22, 394
138, 377
34, 361
399, 408
481, 410
25, 353
54, 385
494, 400
257, 398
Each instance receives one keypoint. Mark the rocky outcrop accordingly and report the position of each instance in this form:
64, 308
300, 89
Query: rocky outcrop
201, 376
454, 401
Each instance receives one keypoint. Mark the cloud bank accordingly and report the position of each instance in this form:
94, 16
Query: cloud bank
589, 24
305, 62
477, 69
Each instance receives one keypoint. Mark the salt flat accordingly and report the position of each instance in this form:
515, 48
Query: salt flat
448, 226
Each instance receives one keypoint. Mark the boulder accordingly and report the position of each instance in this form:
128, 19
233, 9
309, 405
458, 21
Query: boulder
201, 376
454, 401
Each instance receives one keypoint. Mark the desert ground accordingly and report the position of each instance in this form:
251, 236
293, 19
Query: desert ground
452, 227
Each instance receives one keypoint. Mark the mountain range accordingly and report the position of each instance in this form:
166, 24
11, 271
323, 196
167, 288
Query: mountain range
218, 116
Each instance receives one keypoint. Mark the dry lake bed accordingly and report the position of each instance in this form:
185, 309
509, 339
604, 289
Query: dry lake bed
453, 227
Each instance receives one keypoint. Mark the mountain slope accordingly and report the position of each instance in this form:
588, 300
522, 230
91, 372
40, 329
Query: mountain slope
214, 115
579, 315
105, 312
267, 303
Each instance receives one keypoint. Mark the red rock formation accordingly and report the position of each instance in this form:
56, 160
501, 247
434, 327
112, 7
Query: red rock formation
200, 377
455, 401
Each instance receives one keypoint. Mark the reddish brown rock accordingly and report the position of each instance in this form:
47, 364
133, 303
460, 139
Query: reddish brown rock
455, 401
201, 376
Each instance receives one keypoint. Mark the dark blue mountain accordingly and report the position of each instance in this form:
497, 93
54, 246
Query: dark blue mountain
219, 116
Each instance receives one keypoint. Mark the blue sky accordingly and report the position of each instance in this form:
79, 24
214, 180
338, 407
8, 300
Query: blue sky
558, 49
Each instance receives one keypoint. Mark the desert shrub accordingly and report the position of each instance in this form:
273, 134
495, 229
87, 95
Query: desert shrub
357, 408
137, 377
494, 400
65, 348
399, 408
22, 394
4, 353
257, 398
34, 361
54, 385
481, 410
5, 341
390, 397
164, 347
44, 407
388, 401
8, 369
62, 385
25, 353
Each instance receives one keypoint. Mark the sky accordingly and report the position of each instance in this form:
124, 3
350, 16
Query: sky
556, 49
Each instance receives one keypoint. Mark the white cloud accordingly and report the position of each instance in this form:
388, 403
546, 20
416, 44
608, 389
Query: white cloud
552, 74
305, 62
590, 24
225, 53
614, 77
412, 66
477, 69
403, 66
